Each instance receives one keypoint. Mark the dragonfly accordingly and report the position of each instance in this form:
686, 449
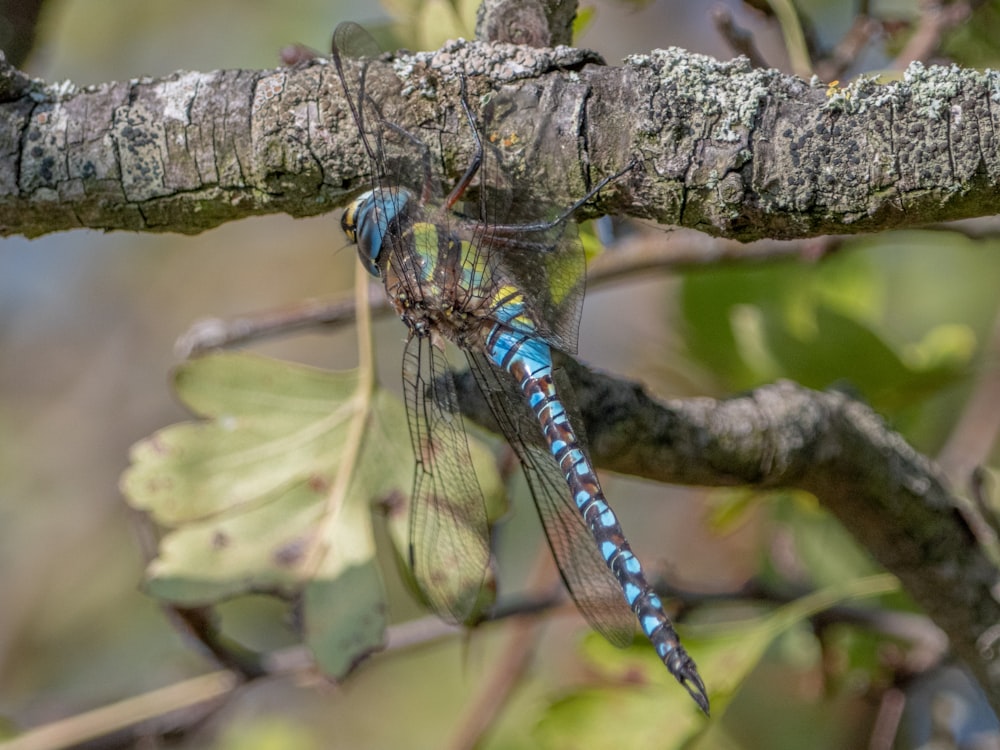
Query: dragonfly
507, 295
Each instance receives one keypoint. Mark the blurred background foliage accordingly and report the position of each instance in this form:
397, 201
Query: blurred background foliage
87, 326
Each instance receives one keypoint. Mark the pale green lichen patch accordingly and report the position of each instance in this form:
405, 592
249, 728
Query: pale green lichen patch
932, 88
929, 89
501, 63
731, 92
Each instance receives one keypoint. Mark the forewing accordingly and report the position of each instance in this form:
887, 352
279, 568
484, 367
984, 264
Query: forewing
591, 584
507, 234
546, 263
449, 535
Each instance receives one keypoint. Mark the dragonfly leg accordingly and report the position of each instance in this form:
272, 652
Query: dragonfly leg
544, 226
477, 158
425, 158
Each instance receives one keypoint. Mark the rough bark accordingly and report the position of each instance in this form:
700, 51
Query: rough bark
730, 150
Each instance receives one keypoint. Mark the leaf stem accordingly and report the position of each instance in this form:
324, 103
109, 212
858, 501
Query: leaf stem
366, 356
356, 428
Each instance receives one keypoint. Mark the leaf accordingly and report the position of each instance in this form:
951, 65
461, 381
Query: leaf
273, 493
623, 717
644, 706
821, 325
727, 653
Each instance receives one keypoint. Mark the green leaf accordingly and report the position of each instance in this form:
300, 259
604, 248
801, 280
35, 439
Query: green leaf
273, 492
624, 717
584, 20
822, 325
268, 733
727, 653
643, 706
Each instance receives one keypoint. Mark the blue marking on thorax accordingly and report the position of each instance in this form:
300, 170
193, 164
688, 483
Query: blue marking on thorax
425, 247
472, 279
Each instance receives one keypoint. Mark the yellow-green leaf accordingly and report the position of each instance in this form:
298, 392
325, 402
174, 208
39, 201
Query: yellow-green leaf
273, 492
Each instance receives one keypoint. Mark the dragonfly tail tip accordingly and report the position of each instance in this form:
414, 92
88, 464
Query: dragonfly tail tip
692, 682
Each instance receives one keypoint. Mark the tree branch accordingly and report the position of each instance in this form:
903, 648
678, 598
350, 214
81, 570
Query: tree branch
726, 149
891, 498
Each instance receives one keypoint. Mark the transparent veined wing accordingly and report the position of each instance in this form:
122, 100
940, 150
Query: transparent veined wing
591, 584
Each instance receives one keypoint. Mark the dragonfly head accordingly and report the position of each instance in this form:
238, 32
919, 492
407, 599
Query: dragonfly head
370, 219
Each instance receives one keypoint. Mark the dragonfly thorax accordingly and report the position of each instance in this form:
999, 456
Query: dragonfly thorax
434, 313
370, 220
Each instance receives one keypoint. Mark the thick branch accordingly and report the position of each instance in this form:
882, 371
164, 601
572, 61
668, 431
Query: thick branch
724, 148
885, 493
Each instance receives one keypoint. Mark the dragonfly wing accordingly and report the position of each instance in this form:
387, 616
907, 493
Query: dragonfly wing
550, 269
449, 535
352, 49
545, 262
593, 587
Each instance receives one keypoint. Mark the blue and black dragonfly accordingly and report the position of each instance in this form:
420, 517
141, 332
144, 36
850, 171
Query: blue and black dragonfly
506, 295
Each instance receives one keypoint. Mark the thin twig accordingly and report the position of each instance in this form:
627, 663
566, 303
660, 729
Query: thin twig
972, 439
102, 721
509, 667
638, 255
216, 333
935, 19
739, 39
847, 51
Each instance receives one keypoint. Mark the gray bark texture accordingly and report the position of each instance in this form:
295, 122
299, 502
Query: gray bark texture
721, 147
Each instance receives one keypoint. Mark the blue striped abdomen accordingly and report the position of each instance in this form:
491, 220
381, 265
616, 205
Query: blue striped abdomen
528, 359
